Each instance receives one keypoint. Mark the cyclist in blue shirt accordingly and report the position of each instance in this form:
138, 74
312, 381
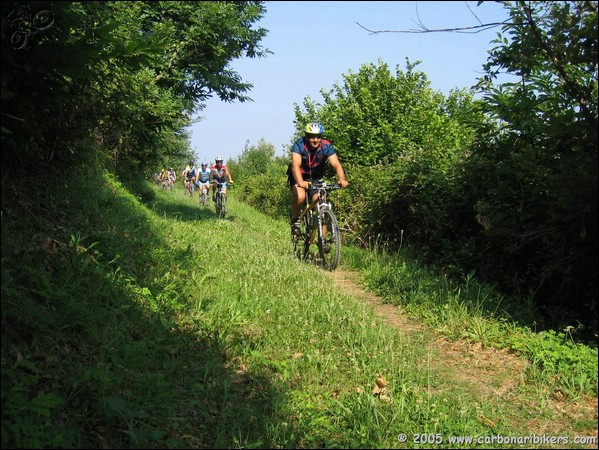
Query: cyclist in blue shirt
308, 157
202, 180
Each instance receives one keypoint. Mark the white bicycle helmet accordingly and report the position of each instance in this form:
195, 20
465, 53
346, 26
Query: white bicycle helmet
314, 128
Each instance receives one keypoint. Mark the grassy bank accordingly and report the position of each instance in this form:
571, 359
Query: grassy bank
140, 320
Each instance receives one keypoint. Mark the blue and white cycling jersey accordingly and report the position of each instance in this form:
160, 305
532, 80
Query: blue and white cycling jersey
204, 176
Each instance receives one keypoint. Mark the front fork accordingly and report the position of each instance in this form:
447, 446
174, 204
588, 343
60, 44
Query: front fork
321, 225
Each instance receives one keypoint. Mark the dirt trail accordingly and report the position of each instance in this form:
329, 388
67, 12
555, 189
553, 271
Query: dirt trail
494, 375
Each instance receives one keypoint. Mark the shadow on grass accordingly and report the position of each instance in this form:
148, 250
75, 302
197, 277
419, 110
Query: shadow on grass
95, 353
183, 212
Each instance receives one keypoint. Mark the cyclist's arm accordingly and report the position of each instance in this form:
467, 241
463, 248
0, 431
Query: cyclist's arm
296, 163
336, 165
230, 178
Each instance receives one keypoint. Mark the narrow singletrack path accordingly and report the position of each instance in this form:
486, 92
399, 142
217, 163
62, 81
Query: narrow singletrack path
496, 376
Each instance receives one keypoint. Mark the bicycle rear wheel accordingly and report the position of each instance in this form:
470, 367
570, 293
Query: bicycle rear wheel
329, 245
300, 241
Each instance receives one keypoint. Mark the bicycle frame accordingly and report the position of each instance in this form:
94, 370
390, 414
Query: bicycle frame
189, 187
310, 208
319, 226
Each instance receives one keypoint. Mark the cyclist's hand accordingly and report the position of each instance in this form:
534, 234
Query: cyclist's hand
304, 184
344, 183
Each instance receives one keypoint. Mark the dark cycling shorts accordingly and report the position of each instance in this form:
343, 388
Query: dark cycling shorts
291, 180
312, 191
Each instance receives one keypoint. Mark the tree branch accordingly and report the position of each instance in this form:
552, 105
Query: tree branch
423, 29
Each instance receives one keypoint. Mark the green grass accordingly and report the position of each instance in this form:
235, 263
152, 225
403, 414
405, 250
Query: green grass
133, 318
471, 311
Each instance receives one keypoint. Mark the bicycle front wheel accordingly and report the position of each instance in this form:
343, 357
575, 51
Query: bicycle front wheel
329, 243
223, 206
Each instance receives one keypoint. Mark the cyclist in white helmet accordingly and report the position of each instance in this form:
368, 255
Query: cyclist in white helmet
202, 180
219, 174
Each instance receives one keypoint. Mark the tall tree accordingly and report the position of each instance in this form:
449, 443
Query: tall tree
536, 178
123, 77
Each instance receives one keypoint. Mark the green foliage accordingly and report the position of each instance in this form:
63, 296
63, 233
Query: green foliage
76, 354
33, 425
262, 180
572, 365
46, 109
254, 160
120, 78
378, 116
533, 177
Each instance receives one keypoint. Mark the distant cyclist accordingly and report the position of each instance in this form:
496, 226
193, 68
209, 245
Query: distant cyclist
172, 177
202, 180
219, 174
164, 178
189, 175
308, 157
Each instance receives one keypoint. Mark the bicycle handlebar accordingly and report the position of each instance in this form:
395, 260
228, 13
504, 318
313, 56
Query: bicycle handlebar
318, 184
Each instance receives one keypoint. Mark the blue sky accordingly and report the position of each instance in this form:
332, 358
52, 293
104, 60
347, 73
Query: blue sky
315, 43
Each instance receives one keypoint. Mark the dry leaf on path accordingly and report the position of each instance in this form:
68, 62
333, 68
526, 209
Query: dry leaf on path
380, 384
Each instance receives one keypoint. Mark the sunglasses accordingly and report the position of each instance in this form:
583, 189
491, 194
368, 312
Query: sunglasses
314, 136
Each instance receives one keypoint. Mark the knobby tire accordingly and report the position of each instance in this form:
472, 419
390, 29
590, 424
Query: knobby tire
330, 259
300, 242
221, 205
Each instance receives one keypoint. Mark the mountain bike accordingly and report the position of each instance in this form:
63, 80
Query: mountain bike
221, 200
319, 238
189, 187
